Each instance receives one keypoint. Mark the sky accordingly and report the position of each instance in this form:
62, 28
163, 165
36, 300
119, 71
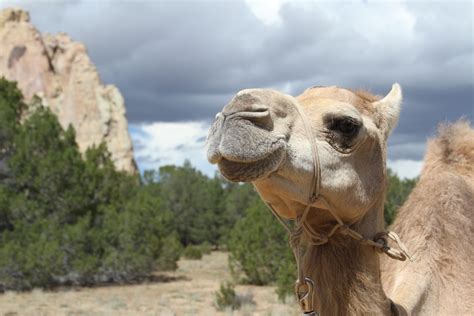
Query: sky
177, 63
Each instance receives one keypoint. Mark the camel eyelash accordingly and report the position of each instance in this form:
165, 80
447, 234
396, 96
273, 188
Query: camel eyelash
341, 132
345, 125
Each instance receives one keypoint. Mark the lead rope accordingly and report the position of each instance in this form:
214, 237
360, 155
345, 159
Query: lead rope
304, 286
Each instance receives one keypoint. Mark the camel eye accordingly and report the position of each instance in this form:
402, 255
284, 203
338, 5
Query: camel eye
347, 126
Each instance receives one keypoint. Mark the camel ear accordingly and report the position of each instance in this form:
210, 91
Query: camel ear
389, 109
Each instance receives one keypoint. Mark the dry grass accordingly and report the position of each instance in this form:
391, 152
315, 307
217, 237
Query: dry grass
188, 291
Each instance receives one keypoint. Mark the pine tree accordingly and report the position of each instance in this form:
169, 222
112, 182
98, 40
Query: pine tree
195, 201
259, 248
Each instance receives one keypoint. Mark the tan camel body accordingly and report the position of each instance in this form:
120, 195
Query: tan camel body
260, 138
437, 225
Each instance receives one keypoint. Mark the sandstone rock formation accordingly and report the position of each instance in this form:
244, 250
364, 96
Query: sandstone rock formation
59, 71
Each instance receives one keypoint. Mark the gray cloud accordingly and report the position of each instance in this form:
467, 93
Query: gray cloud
183, 60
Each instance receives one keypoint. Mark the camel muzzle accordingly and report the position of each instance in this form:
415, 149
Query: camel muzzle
243, 137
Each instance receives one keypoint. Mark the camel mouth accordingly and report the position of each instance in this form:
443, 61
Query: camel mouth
245, 150
240, 171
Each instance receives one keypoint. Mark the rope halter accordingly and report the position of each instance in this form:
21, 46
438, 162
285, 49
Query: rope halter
304, 286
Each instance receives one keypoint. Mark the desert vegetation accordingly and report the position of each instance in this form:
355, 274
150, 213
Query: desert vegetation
68, 218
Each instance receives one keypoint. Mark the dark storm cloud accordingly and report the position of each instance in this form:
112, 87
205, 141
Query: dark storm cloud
423, 110
183, 60
175, 106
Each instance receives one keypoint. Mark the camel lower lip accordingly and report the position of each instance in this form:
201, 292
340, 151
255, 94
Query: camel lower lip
251, 171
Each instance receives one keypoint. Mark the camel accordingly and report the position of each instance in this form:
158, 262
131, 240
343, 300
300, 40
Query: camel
261, 137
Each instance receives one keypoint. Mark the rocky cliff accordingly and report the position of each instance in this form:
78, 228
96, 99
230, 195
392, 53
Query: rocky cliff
59, 71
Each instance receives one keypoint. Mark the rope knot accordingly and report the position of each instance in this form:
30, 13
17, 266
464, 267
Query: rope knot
295, 237
344, 229
313, 198
319, 240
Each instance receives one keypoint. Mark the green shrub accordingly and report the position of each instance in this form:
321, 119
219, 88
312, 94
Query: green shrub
397, 192
286, 278
11, 109
206, 248
259, 250
238, 197
227, 297
195, 201
170, 254
192, 252
69, 219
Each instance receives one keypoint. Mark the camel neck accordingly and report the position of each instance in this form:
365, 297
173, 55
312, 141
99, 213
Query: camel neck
347, 273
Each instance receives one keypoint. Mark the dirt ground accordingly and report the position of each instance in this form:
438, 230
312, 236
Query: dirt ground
188, 291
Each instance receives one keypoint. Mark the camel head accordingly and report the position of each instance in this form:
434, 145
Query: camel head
259, 137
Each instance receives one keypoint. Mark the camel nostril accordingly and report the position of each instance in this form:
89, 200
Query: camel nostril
259, 117
260, 109
254, 114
